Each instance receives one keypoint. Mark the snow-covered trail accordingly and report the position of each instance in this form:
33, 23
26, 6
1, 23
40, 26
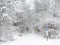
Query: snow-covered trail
32, 39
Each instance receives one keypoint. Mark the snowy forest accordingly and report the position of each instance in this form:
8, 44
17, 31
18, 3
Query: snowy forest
19, 17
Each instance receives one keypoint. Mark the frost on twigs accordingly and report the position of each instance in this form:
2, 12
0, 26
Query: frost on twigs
48, 29
18, 17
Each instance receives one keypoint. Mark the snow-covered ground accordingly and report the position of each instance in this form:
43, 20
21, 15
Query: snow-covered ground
32, 39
